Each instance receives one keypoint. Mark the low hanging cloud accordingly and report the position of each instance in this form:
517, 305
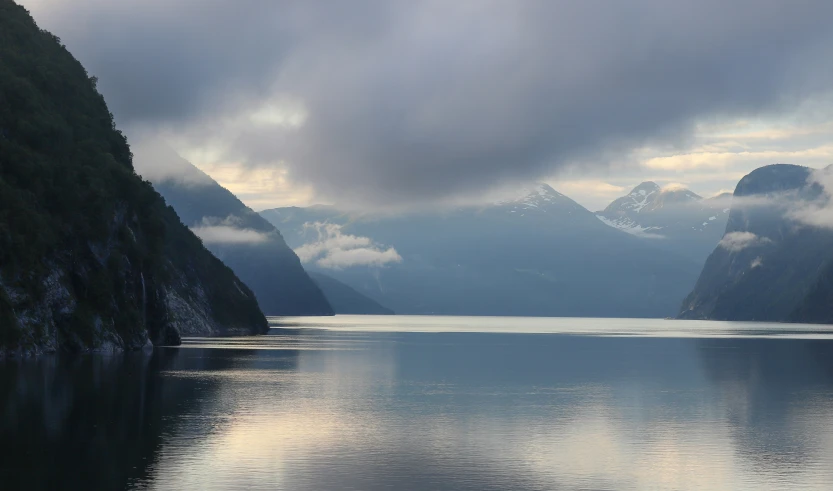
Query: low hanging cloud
673, 186
214, 230
737, 241
818, 213
415, 101
815, 215
157, 162
780, 202
336, 250
811, 205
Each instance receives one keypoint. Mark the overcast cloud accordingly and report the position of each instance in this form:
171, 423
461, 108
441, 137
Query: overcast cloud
400, 101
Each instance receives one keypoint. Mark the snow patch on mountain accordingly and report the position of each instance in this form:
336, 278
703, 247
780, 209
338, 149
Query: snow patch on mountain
625, 224
639, 198
689, 223
637, 206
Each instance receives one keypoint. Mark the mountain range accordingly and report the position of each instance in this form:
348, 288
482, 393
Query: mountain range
94, 258
540, 253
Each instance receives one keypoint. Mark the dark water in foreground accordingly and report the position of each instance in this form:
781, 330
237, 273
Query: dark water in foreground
390, 403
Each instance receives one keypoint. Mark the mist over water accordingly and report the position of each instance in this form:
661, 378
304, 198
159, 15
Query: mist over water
368, 403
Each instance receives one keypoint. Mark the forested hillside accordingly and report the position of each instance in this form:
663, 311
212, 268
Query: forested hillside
90, 255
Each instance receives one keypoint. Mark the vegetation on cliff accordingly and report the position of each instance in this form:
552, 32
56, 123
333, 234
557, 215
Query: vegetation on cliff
90, 255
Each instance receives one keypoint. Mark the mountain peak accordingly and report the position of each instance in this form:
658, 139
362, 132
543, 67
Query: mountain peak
645, 188
545, 188
649, 196
774, 178
539, 189
544, 192
536, 192
540, 197
671, 212
638, 198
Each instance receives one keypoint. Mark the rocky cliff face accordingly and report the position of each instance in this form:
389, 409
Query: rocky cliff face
768, 266
91, 258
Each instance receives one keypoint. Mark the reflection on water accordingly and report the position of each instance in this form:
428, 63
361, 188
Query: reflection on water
311, 409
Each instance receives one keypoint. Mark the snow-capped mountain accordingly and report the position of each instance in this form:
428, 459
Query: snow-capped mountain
536, 253
541, 198
678, 218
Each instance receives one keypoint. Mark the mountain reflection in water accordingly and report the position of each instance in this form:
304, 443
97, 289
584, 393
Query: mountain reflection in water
310, 409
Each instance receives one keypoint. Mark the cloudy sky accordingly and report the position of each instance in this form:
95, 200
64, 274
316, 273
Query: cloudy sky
411, 102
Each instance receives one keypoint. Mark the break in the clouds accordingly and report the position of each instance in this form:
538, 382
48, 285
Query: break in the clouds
412, 101
336, 250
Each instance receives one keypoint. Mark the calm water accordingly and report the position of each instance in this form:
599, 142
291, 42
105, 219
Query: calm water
399, 403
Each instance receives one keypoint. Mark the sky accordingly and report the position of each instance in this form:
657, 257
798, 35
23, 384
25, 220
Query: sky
413, 103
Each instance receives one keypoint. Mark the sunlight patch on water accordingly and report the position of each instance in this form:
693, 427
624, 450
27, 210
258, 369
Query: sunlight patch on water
666, 328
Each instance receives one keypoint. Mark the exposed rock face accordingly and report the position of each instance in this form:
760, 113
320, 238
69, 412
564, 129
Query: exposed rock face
91, 258
767, 266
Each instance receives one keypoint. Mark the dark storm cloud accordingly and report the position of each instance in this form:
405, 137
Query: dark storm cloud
416, 100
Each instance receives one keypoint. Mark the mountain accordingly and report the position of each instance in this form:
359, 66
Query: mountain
346, 300
676, 219
540, 253
246, 242
90, 256
768, 266
817, 305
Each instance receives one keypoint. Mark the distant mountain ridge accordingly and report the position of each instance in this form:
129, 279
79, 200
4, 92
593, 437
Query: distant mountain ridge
540, 253
540, 198
676, 218
649, 196
346, 300
241, 238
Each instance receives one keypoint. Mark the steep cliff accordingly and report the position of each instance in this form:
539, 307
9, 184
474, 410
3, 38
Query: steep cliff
90, 255
251, 246
768, 265
817, 305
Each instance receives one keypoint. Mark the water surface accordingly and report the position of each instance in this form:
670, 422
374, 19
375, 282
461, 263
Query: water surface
445, 403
